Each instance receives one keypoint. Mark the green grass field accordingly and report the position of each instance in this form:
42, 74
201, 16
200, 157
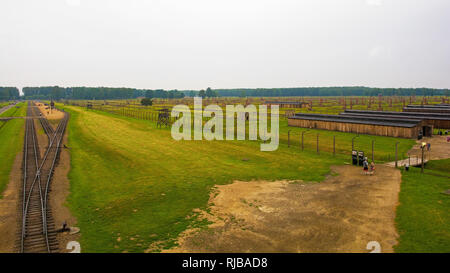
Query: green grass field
3, 104
133, 181
384, 147
20, 110
11, 143
423, 216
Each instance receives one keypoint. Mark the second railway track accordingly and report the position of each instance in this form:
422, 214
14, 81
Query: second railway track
38, 233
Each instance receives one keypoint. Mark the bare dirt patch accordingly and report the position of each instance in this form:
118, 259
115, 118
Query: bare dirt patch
60, 189
50, 114
9, 208
341, 214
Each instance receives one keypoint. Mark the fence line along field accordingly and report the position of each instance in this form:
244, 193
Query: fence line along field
297, 138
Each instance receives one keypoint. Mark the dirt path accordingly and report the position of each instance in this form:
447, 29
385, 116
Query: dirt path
6, 108
9, 208
440, 149
341, 214
50, 114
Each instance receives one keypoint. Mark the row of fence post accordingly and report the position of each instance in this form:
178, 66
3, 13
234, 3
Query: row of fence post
317, 142
153, 117
334, 144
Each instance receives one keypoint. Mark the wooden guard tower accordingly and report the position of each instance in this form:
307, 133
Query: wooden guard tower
163, 118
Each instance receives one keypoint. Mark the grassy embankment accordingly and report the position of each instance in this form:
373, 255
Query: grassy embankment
11, 142
423, 216
133, 185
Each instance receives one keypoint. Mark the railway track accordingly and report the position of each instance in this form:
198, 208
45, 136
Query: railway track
38, 233
44, 122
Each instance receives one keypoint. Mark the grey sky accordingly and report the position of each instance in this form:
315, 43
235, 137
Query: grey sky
193, 44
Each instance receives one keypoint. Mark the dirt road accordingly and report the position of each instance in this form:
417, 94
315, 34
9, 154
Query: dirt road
6, 108
341, 214
440, 149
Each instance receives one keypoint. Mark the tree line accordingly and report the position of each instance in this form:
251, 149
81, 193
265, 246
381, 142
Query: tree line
330, 91
101, 93
9, 93
97, 93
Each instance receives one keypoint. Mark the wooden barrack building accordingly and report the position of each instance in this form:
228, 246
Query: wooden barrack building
381, 126
436, 120
436, 108
288, 104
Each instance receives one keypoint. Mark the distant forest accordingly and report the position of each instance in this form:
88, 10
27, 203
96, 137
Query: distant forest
330, 91
9, 93
101, 93
98, 93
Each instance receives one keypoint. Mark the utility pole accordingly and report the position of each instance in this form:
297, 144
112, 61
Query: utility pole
317, 143
423, 150
372, 151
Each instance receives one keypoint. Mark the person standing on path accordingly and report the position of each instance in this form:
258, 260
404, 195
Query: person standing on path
365, 166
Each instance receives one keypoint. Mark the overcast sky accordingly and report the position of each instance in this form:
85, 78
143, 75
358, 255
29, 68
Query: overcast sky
193, 44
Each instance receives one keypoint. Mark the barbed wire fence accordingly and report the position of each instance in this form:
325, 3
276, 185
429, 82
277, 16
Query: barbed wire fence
309, 140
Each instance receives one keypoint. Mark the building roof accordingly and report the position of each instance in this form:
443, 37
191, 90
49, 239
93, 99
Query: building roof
394, 122
445, 106
413, 115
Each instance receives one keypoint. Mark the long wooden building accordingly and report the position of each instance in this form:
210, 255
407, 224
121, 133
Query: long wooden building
437, 108
435, 120
381, 126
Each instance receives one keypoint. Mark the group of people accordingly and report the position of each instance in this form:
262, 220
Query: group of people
368, 168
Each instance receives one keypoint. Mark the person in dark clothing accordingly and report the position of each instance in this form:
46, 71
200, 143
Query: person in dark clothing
365, 166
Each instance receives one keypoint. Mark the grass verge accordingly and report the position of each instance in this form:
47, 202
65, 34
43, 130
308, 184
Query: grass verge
423, 216
11, 143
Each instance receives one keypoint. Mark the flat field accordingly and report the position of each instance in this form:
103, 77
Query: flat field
133, 186
20, 110
11, 142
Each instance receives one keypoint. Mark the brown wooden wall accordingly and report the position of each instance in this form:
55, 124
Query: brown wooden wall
368, 129
437, 123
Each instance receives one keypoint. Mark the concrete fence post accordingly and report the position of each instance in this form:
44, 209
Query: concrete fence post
289, 138
373, 157
396, 154
317, 143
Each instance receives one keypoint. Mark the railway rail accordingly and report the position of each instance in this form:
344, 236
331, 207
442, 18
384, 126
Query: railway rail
38, 232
